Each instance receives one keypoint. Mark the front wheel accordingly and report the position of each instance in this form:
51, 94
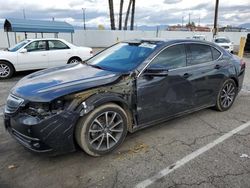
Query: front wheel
103, 130
226, 96
6, 70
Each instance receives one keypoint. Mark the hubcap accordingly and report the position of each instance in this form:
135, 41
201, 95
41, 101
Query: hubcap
105, 131
4, 70
74, 61
227, 95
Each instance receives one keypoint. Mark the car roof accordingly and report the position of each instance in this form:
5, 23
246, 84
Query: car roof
164, 42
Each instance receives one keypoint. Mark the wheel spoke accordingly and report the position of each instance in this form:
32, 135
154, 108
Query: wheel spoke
107, 142
95, 131
116, 124
112, 119
98, 123
106, 118
116, 130
113, 138
96, 138
99, 145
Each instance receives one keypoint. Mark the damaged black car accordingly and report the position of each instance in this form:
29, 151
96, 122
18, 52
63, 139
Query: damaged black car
128, 86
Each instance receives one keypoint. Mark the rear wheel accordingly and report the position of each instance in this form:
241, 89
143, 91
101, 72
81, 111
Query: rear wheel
6, 70
103, 130
226, 96
74, 60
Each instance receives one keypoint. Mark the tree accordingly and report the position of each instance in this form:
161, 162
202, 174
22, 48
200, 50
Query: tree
132, 16
127, 15
120, 14
111, 13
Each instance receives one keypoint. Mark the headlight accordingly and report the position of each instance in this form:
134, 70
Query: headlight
45, 110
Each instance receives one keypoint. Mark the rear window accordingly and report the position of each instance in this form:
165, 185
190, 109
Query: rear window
199, 53
216, 54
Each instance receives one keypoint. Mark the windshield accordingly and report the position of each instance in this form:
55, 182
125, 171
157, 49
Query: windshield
122, 57
18, 46
222, 40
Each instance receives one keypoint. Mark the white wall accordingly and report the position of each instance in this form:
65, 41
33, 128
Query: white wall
104, 38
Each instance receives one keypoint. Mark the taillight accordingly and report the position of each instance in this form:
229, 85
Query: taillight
242, 64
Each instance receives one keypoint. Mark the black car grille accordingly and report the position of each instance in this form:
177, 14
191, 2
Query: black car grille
13, 103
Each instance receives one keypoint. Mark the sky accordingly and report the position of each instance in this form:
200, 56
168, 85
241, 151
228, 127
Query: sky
148, 12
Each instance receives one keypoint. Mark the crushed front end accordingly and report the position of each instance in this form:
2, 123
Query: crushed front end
41, 127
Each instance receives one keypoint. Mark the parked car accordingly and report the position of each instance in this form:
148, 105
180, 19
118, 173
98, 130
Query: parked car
127, 87
225, 43
33, 54
199, 37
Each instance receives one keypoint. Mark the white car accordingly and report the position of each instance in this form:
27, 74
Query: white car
199, 37
225, 43
34, 54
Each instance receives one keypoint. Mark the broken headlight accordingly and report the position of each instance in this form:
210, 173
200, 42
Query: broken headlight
44, 110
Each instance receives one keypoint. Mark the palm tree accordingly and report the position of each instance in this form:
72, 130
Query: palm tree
120, 14
127, 15
111, 13
132, 16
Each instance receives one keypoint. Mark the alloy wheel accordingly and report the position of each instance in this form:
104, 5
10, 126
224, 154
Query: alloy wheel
227, 95
74, 61
105, 131
4, 70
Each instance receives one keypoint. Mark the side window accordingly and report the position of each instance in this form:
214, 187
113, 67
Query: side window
199, 53
57, 45
36, 46
171, 58
216, 53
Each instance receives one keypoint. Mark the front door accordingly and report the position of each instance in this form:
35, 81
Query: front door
164, 95
36, 56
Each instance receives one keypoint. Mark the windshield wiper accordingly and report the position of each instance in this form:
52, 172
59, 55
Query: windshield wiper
96, 66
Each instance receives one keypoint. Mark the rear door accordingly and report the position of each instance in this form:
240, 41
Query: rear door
205, 70
59, 53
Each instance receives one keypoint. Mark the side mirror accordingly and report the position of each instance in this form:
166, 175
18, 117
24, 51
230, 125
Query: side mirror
24, 50
155, 72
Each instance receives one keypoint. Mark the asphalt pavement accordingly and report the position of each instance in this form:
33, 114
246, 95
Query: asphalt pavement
203, 149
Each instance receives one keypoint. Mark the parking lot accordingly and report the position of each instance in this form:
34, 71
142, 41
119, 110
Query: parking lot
145, 155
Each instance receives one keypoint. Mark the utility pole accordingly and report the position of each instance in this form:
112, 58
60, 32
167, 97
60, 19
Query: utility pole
84, 18
120, 14
132, 16
182, 21
189, 15
24, 15
215, 29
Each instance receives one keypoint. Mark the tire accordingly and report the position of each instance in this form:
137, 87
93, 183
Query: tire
74, 60
6, 70
95, 137
226, 95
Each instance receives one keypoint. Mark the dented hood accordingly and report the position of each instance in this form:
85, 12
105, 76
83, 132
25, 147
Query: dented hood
49, 84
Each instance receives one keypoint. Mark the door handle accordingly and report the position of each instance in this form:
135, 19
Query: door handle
217, 66
187, 75
43, 54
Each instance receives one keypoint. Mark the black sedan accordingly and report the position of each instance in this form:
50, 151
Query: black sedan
126, 87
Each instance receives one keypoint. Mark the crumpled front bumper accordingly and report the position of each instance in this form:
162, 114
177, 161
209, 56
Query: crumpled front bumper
54, 134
